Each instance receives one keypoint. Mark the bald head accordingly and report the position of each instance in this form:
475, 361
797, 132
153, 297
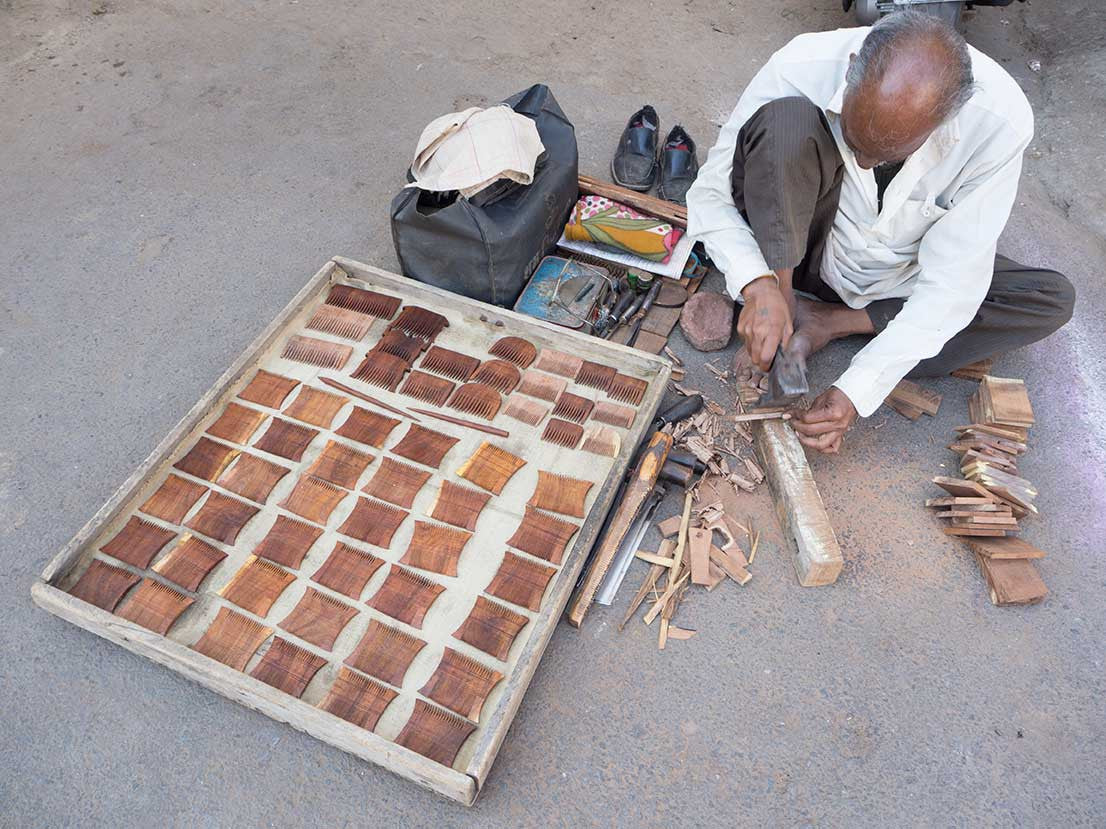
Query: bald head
912, 72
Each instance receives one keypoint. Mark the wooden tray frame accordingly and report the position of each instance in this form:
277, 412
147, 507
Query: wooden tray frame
462, 786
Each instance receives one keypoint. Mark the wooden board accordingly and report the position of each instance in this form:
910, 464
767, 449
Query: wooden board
1004, 548
674, 213
1012, 581
914, 397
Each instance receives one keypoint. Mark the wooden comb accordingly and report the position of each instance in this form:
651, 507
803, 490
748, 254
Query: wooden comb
451, 364
543, 535
595, 375
268, 389
373, 522
347, 570
340, 464
252, 477
341, 322
286, 439
363, 302
461, 684
385, 653
154, 606
459, 505
562, 433
520, 581
613, 414
419, 322
206, 459
381, 369
424, 446
627, 389
357, 699
476, 399
288, 541
514, 350
541, 386
237, 423
435, 733
573, 407
491, 628
401, 345
256, 585
427, 387
232, 639
138, 542
222, 517
435, 548
491, 467
499, 374
397, 483
313, 498
561, 494
103, 584
315, 406
318, 618
287, 667
530, 412
189, 562
558, 362
173, 499
406, 596
367, 427
316, 352
602, 440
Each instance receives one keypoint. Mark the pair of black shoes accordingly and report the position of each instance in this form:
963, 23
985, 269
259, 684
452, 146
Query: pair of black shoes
635, 164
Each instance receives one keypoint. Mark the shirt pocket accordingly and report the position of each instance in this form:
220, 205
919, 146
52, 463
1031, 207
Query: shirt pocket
913, 219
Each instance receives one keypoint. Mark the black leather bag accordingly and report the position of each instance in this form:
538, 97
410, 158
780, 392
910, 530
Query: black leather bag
486, 247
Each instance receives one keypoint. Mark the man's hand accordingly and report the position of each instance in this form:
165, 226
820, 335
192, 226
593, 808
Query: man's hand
824, 424
765, 320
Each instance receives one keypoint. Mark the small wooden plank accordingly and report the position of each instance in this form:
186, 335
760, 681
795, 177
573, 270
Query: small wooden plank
699, 552
669, 526
904, 408
997, 532
653, 558
681, 539
959, 501
1009, 400
1004, 548
963, 488
1006, 433
680, 633
659, 604
650, 342
643, 591
661, 209
730, 566
974, 371
717, 575
1012, 581
917, 397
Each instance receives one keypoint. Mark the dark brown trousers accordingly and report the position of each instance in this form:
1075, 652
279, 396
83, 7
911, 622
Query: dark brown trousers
786, 181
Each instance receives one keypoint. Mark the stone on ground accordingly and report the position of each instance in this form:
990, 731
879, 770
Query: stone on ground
707, 321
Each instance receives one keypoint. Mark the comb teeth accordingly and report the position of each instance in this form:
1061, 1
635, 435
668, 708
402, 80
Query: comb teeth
401, 345
451, 364
288, 541
476, 399
596, 375
256, 585
627, 389
154, 606
561, 494
543, 535
419, 322
601, 440
514, 350
373, 522
318, 618
560, 363
287, 667
424, 446
397, 483
314, 498
459, 505
385, 652
341, 322
103, 584
347, 570
491, 628
138, 542
381, 369
520, 581
499, 374
357, 699
461, 684
530, 412
613, 414
406, 596
232, 638
490, 467
316, 352
427, 387
562, 433
573, 407
287, 439
541, 386
189, 562
435, 733
435, 548
364, 302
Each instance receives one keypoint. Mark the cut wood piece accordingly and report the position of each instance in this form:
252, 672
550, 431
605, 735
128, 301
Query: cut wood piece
984, 518
206, 459
699, 551
396, 482
287, 667
315, 406
424, 446
651, 343
287, 439
459, 505
1012, 581
339, 464
669, 211
660, 603
490, 467
288, 541
491, 628
1007, 400
370, 428
613, 414
648, 584
316, 352
904, 408
173, 499
268, 389
521, 581
347, 570
103, 584
543, 535
256, 585
958, 500
318, 618
357, 699
729, 565
670, 526
252, 477
991, 531
232, 638
461, 684
1004, 548
237, 423
916, 397
385, 652
362, 301
314, 498
559, 362
995, 431
189, 562
138, 542
974, 371
659, 321
373, 522
961, 488
653, 558
435, 733
680, 633
222, 517
406, 596
436, 548
560, 494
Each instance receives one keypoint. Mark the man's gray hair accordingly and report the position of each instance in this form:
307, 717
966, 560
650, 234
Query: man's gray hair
896, 30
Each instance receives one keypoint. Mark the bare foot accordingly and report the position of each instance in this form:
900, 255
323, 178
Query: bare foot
817, 324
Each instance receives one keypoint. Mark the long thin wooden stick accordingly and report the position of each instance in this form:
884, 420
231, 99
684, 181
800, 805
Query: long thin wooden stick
743, 418
647, 585
480, 427
361, 396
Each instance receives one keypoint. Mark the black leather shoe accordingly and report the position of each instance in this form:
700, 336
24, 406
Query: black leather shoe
679, 166
635, 161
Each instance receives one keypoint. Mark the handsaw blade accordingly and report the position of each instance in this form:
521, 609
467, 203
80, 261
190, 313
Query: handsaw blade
786, 380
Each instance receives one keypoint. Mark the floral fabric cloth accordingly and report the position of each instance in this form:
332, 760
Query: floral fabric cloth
608, 223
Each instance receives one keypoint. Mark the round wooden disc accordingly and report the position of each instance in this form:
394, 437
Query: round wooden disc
671, 295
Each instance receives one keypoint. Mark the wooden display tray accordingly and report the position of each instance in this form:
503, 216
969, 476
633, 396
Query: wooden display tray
463, 781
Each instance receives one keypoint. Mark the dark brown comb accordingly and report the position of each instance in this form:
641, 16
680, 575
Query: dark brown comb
138, 542
476, 399
316, 352
520, 581
206, 459
525, 410
341, 322
419, 322
435, 733
451, 364
357, 699
381, 369
313, 498
541, 386
459, 505
573, 407
222, 517
256, 585
316, 406
154, 606
103, 584
514, 350
435, 548
558, 362
367, 427
543, 535
397, 483
318, 618
613, 414
385, 653
602, 440
189, 562
401, 345
268, 389
287, 439
562, 433
499, 374
427, 387
252, 477
461, 684
232, 638
237, 423
173, 499
424, 446
561, 494
340, 464
373, 522
287, 667
491, 467
288, 541
406, 596
627, 389
596, 375
363, 302
347, 570
491, 628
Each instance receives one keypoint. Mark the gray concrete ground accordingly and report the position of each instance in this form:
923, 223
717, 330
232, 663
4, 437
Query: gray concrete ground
171, 173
